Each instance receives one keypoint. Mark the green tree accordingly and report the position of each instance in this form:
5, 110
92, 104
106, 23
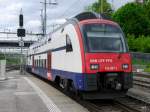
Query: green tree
96, 7
147, 9
146, 1
133, 19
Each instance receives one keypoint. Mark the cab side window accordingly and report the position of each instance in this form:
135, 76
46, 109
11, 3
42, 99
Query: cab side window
68, 44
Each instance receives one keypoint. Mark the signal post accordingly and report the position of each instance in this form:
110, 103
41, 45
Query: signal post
21, 33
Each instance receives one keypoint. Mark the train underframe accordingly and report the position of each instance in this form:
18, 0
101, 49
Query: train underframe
108, 85
100, 85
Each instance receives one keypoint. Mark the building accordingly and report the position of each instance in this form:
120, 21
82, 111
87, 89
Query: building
139, 1
142, 1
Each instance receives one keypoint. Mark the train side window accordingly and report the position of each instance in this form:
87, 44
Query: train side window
45, 64
42, 63
68, 44
39, 63
35, 63
49, 39
62, 30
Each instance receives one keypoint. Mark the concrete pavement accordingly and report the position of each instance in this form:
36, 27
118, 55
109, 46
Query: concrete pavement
25, 93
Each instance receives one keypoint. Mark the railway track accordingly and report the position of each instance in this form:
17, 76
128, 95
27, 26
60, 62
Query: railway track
141, 87
142, 74
142, 81
125, 104
101, 106
12, 67
132, 105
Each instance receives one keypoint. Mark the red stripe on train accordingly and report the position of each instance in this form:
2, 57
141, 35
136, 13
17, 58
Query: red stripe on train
81, 47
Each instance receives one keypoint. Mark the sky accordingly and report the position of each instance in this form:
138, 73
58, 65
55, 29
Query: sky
10, 9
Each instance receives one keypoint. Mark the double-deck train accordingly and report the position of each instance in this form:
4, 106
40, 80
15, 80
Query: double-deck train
88, 55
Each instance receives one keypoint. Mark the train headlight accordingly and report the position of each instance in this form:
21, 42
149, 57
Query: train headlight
125, 66
94, 66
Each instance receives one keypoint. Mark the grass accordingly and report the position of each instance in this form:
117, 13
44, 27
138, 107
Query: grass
140, 62
13, 61
143, 64
147, 69
10, 60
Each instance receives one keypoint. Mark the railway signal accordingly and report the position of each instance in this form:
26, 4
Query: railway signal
21, 20
21, 32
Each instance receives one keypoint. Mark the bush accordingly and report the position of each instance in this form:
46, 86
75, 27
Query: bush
147, 9
140, 44
132, 43
2, 56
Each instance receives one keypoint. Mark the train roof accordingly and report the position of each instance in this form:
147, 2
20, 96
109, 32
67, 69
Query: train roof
82, 17
90, 15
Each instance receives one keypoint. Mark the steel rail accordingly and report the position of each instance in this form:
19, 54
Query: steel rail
12, 67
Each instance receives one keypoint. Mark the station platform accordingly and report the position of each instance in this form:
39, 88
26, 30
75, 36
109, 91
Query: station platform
26, 93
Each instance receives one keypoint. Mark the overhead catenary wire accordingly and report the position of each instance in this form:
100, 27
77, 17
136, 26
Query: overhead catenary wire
70, 8
66, 11
81, 4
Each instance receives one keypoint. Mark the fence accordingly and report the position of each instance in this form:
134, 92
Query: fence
141, 56
2, 69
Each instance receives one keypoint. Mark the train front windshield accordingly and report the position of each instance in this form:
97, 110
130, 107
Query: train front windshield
103, 38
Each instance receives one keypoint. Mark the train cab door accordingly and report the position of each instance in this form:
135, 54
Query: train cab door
33, 63
49, 62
